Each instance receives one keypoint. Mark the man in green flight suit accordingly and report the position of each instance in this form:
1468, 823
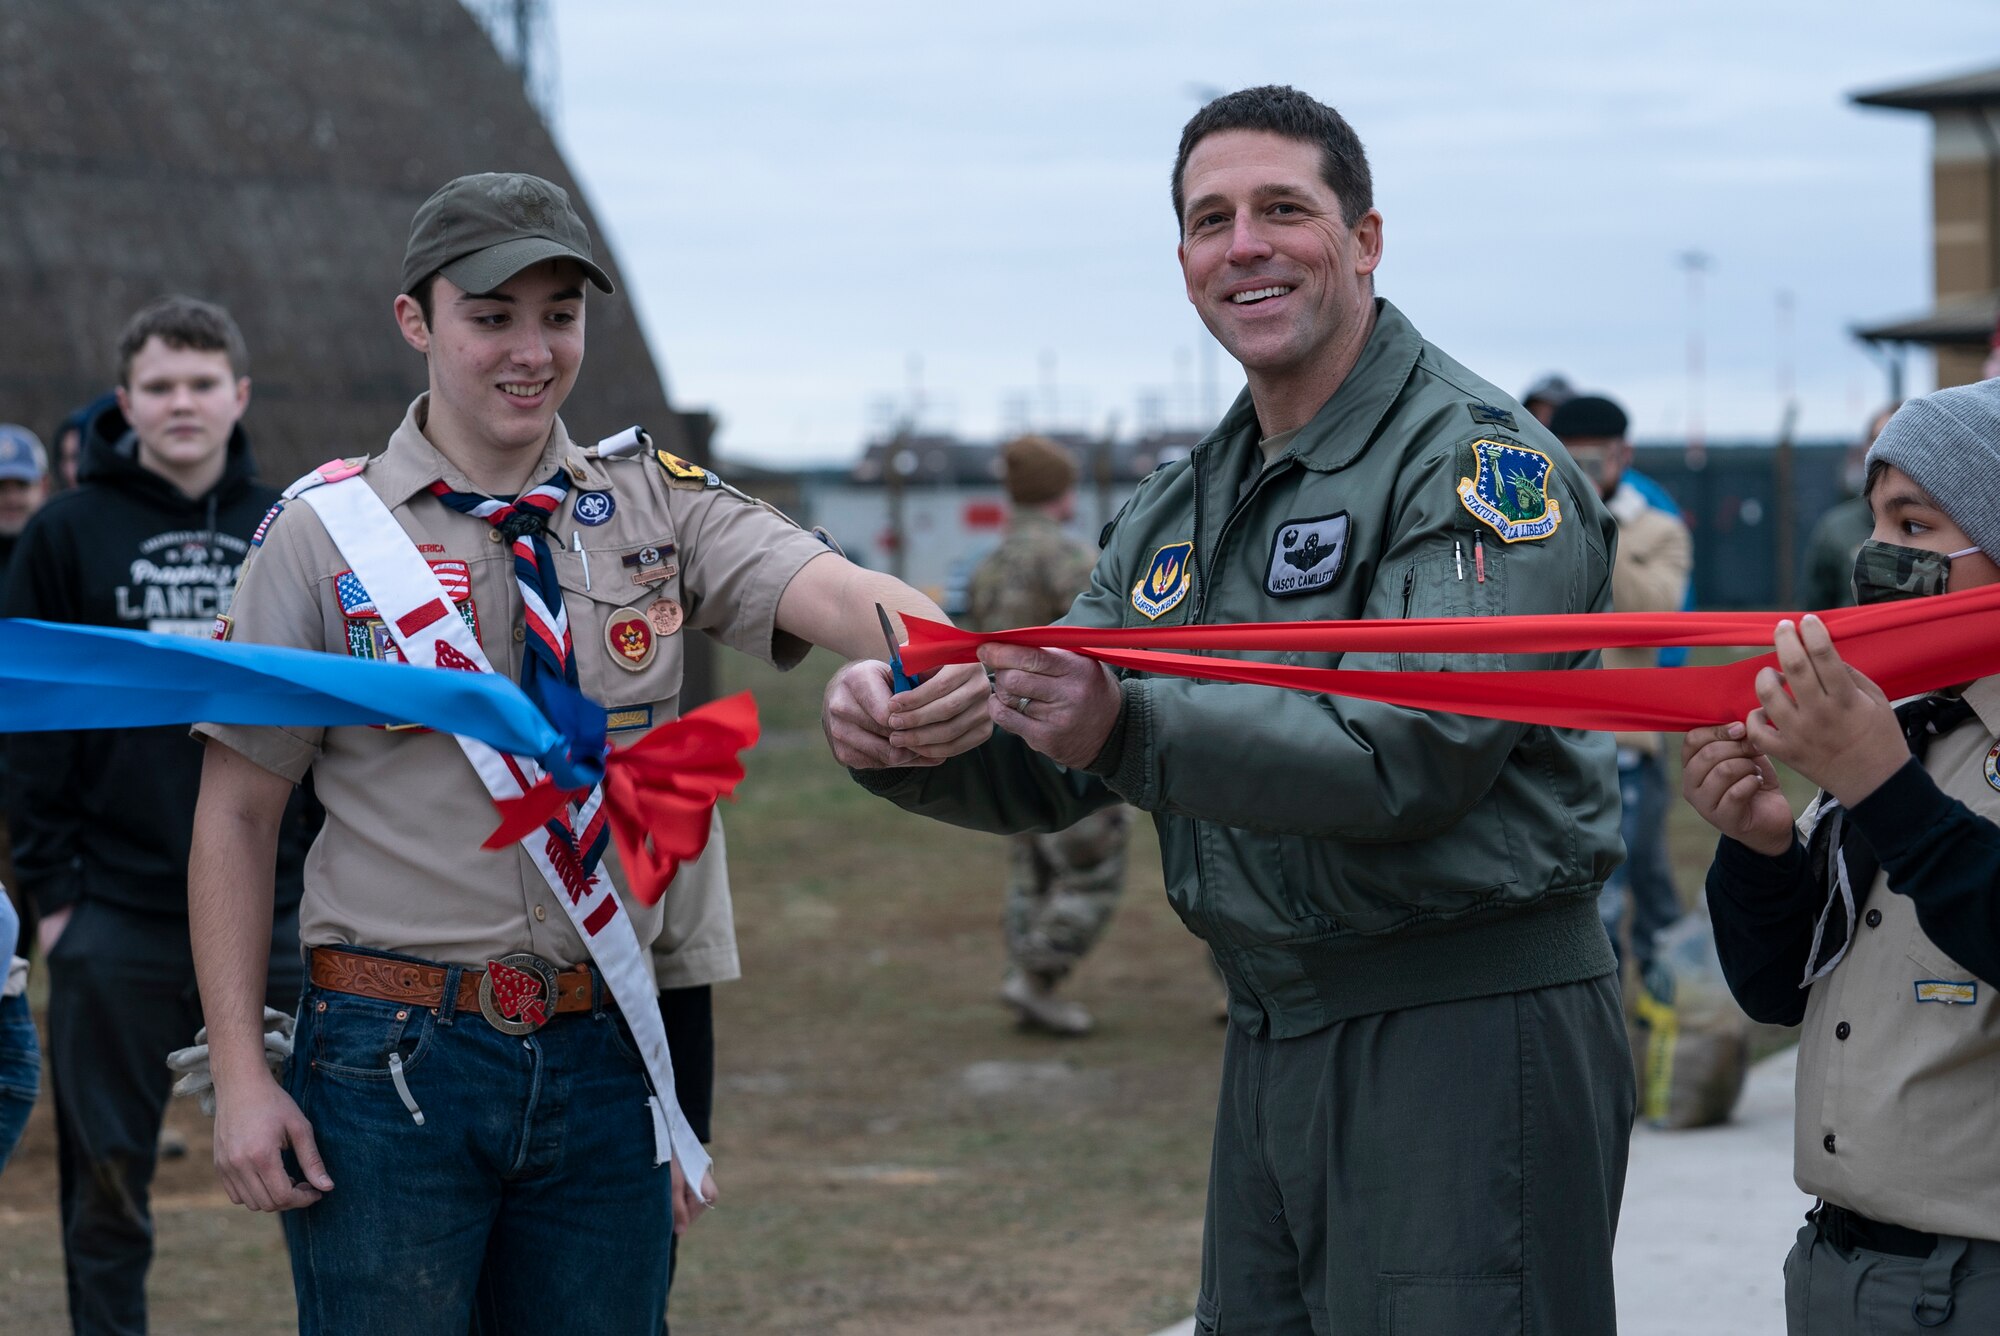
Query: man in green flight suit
1426, 1091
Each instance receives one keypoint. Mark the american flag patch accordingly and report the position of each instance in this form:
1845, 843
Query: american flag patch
257, 538
455, 576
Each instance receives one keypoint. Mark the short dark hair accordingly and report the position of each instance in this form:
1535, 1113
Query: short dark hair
1283, 110
423, 291
182, 322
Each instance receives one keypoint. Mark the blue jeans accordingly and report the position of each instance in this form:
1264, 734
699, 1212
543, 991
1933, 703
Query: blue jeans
526, 1201
1646, 873
20, 1071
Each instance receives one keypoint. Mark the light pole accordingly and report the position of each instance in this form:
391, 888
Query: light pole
1695, 263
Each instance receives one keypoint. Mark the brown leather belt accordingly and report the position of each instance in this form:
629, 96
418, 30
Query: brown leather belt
423, 985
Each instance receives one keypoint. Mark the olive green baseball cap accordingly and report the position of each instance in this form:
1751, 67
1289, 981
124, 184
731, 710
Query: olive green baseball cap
481, 230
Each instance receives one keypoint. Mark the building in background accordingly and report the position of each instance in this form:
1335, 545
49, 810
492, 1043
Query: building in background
267, 157
1965, 226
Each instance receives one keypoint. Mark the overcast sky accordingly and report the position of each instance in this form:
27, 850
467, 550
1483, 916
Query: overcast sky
820, 207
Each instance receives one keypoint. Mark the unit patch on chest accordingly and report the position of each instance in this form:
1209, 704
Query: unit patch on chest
369, 637
1306, 554
1508, 491
1166, 581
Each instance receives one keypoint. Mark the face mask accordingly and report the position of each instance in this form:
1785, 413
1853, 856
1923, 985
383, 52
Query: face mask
1886, 572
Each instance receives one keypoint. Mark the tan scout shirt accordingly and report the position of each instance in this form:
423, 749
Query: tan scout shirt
1906, 1088
398, 865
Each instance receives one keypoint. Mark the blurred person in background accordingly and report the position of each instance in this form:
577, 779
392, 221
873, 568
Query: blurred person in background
1655, 556
151, 539
1839, 533
1063, 886
1546, 395
24, 485
20, 1053
68, 441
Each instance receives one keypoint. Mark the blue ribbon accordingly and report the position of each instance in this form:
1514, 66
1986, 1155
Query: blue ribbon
59, 676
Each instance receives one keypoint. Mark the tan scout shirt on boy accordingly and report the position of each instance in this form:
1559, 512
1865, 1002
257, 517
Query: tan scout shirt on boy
398, 866
1899, 1058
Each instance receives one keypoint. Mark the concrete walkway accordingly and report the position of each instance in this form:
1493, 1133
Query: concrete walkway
1707, 1220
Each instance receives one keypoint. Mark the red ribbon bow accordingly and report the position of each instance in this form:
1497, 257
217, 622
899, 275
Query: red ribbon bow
658, 792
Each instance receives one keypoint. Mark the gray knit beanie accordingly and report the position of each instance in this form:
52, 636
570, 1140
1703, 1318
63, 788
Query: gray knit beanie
1949, 441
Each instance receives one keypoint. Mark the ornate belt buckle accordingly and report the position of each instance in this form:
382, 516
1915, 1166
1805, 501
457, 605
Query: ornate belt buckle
517, 993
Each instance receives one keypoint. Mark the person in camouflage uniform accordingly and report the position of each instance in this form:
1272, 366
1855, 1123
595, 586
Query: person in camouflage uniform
1061, 888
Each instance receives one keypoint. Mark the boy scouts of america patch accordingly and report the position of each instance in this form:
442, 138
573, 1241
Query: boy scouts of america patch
1509, 491
369, 637
593, 508
1306, 554
1165, 582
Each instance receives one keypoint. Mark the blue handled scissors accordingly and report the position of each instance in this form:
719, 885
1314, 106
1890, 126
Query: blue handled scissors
901, 680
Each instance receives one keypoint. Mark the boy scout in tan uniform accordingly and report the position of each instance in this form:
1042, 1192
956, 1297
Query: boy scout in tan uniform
492, 1161
1062, 886
1874, 921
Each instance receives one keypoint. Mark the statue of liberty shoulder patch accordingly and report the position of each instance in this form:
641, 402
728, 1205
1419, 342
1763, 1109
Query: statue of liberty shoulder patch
1508, 491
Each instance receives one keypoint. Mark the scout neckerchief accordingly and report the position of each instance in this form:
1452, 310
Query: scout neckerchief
549, 656
416, 609
1838, 847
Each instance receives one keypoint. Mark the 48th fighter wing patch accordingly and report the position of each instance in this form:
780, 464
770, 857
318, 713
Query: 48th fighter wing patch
1508, 491
1306, 554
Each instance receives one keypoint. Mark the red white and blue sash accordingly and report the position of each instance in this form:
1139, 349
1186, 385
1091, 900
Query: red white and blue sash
418, 611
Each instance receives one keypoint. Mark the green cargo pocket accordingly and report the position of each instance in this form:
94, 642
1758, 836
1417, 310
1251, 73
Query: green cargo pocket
1417, 1305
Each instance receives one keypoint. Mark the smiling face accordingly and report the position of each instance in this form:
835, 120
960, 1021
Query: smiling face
1907, 515
182, 404
1277, 273
502, 362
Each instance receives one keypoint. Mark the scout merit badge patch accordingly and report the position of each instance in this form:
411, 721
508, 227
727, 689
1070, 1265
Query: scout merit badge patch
1508, 491
1950, 991
630, 638
1166, 580
1306, 554
369, 637
593, 508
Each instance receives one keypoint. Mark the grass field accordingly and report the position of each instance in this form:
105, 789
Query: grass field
894, 1157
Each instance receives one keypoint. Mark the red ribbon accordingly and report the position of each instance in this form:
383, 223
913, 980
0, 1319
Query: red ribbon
1906, 647
658, 792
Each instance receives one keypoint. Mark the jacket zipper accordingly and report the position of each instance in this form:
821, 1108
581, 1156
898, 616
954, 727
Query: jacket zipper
1264, 474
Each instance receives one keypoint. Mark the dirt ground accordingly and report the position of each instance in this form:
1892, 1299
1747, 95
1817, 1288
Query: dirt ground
894, 1157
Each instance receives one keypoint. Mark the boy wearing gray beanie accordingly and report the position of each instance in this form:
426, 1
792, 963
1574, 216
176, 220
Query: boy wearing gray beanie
1875, 920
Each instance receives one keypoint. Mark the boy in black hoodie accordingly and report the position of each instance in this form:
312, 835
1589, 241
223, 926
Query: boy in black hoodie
165, 511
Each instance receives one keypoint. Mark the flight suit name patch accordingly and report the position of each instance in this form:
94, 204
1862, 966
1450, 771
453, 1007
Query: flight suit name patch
1508, 491
1166, 581
1306, 554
